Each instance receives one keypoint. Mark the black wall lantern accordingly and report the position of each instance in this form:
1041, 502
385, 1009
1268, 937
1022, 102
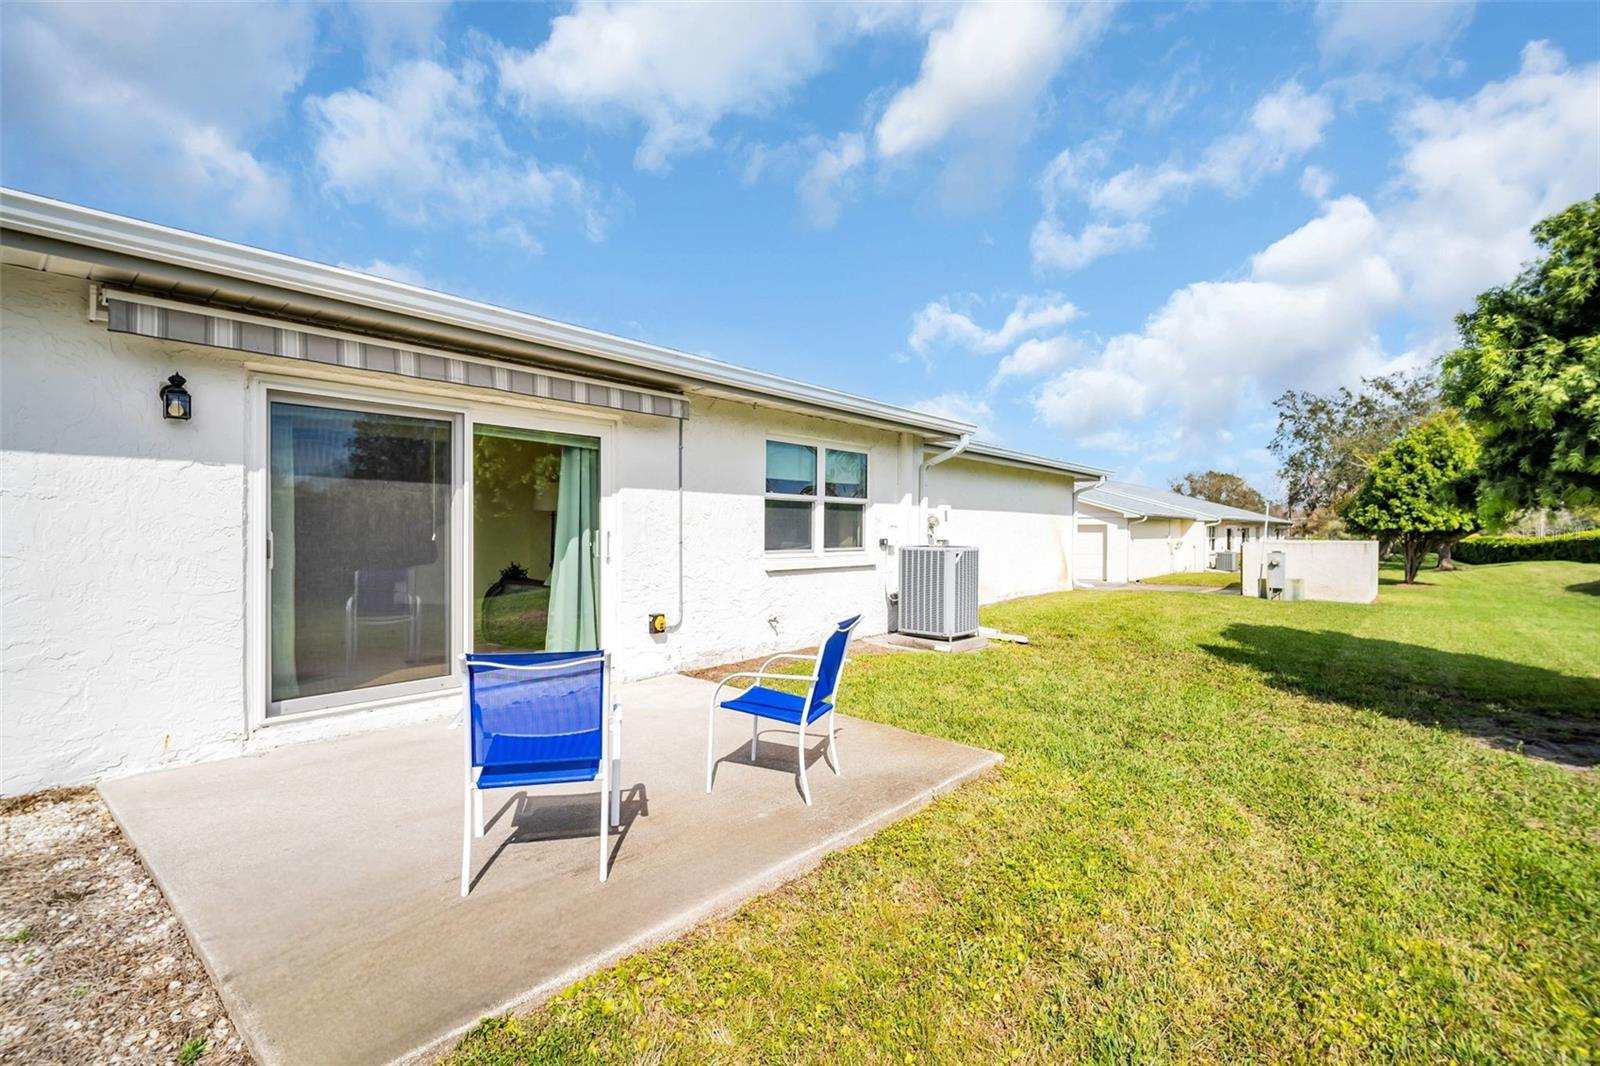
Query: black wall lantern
175, 402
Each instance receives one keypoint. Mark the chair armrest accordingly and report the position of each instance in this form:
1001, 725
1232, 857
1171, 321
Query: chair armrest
788, 655
809, 679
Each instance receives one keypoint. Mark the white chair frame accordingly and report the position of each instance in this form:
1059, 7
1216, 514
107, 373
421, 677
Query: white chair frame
810, 681
609, 778
353, 621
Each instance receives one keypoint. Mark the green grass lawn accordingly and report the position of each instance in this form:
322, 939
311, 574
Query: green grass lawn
1208, 578
1226, 830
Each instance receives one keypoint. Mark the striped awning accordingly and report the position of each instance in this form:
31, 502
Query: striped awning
148, 317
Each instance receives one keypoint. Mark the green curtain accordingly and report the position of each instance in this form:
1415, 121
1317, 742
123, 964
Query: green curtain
575, 574
285, 672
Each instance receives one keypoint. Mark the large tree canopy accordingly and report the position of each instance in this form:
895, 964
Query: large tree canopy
1419, 491
1231, 490
1527, 376
1325, 443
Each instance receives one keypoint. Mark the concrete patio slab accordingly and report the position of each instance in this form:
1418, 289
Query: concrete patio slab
319, 881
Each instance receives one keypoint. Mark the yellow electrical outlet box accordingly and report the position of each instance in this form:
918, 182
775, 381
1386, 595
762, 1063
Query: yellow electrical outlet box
658, 623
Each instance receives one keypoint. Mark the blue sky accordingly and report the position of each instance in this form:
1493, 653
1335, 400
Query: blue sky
1106, 232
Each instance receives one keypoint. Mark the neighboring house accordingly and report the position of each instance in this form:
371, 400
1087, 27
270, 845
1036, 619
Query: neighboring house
1128, 531
377, 477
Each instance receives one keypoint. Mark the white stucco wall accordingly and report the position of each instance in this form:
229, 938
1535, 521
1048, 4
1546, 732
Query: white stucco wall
1019, 520
738, 601
123, 538
1342, 570
122, 545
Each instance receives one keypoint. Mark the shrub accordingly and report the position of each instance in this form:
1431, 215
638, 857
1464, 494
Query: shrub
1572, 547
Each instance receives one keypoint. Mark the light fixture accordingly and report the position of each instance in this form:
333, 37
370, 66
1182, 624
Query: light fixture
175, 402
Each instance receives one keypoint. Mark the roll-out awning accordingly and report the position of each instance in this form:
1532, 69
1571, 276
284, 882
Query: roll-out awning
149, 316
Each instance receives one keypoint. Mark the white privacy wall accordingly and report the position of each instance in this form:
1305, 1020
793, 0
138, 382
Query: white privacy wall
1019, 520
1342, 570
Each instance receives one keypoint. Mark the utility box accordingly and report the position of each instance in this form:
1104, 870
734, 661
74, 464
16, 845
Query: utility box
939, 591
1277, 575
1228, 561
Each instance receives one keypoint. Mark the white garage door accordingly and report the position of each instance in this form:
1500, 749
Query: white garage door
1089, 554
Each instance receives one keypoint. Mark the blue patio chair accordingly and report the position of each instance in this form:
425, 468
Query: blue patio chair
540, 718
758, 701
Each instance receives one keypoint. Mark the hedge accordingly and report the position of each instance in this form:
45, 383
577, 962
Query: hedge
1573, 547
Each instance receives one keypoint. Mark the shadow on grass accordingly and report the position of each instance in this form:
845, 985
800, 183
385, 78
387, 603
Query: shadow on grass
1588, 588
1507, 705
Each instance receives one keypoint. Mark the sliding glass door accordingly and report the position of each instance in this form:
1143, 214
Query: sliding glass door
360, 558
370, 589
535, 572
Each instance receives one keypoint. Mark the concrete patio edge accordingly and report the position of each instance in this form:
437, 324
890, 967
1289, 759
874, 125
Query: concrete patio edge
720, 905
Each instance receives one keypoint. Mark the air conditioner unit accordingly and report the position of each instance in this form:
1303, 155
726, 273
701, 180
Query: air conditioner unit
939, 591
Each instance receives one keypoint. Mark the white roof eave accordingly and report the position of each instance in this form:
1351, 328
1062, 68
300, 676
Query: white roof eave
76, 225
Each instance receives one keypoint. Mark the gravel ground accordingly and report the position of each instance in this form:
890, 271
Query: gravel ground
94, 966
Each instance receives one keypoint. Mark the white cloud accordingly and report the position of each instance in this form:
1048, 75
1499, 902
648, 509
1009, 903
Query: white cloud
1054, 247
939, 323
1476, 174
1376, 32
395, 28
97, 89
677, 68
418, 145
984, 71
829, 177
1283, 125
1036, 356
1316, 182
1307, 314
963, 406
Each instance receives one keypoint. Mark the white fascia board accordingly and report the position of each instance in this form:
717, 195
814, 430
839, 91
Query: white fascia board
73, 224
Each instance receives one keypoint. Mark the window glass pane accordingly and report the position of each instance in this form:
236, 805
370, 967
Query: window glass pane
788, 525
841, 525
360, 518
847, 474
791, 468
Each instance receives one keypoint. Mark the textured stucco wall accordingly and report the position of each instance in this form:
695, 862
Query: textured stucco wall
123, 546
1020, 521
1341, 570
733, 604
122, 635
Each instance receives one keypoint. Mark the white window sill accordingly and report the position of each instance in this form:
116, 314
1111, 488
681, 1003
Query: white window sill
777, 564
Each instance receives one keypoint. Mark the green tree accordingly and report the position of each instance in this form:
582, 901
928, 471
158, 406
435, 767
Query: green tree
1527, 376
1419, 492
1324, 443
1230, 490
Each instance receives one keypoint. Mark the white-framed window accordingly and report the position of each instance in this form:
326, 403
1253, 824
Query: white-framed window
816, 496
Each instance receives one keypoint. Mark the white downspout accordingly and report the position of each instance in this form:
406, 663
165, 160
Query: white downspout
922, 477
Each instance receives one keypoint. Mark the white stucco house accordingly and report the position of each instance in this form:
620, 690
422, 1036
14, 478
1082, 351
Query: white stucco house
247, 499
1127, 532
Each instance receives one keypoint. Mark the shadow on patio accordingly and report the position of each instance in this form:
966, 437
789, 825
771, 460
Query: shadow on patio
319, 881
